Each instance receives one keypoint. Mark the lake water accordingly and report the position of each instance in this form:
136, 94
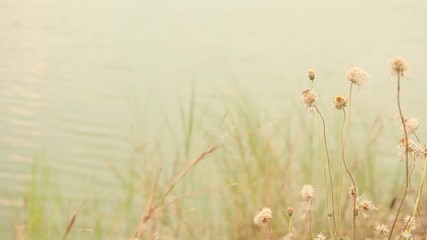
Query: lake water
85, 83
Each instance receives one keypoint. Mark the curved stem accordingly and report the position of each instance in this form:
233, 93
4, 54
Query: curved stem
406, 157
329, 167
343, 142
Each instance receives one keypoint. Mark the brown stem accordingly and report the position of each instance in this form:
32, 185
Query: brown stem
345, 163
329, 167
349, 174
406, 157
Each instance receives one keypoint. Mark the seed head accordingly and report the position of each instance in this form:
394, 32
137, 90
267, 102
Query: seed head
340, 102
307, 192
411, 125
357, 76
398, 65
308, 97
366, 206
411, 222
382, 228
311, 74
263, 216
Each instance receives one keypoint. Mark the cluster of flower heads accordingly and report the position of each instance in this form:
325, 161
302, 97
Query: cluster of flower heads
360, 78
408, 146
417, 149
355, 75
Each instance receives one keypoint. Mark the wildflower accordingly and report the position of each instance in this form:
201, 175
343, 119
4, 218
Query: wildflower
263, 216
307, 192
308, 97
340, 102
411, 125
398, 65
382, 228
366, 206
311, 75
290, 211
357, 76
411, 222
320, 236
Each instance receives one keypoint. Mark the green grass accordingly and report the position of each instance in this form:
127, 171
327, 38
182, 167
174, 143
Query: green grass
262, 162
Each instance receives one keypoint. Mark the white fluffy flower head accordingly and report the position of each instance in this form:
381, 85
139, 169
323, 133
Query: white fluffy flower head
357, 76
263, 216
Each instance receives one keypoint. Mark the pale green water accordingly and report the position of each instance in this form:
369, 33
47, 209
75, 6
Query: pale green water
85, 82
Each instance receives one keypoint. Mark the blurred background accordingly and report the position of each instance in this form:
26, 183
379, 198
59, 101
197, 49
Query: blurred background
87, 86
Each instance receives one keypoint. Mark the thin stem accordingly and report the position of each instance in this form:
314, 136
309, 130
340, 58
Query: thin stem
354, 196
344, 142
329, 167
269, 231
406, 157
290, 226
420, 189
310, 223
341, 169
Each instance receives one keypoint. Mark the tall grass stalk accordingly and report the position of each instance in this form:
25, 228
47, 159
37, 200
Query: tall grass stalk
153, 207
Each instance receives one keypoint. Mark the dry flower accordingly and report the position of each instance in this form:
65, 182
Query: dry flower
263, 216
307, 192
411, 125
411, 222
398, 65
340, 102
382, 228
308, 97
366, 206
357, 76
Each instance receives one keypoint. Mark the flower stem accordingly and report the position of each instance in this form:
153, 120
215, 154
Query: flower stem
344, 142
329, 167
406, 158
